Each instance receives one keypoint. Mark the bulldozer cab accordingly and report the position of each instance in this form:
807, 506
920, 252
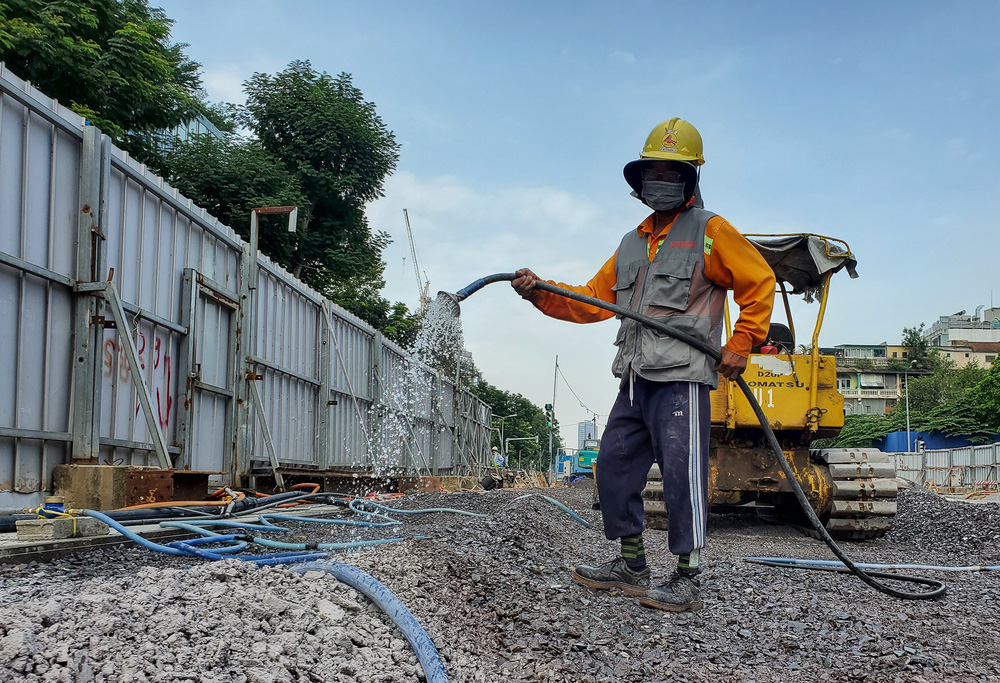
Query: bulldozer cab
795, 385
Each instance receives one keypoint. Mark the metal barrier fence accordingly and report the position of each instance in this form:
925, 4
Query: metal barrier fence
969, 467
132, 333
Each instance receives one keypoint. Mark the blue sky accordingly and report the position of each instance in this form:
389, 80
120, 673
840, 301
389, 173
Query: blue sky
872, 122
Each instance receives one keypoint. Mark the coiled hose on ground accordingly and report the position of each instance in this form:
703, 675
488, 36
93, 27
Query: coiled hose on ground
937, 588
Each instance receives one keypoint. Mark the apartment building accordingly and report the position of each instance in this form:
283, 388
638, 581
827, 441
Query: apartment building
869, 377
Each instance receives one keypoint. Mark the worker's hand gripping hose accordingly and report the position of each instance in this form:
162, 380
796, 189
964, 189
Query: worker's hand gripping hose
938, 588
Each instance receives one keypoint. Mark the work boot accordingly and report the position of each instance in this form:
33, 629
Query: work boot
682, 593
613, 574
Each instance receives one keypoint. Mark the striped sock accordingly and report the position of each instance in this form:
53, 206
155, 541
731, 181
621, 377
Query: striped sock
688, 564
633, 551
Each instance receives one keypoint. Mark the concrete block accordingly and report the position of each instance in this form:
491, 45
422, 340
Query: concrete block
108, 487
62, 527
93, 487
430, 484
451, 484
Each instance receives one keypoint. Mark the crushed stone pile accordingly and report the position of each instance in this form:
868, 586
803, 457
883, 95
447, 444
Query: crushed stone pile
496, 596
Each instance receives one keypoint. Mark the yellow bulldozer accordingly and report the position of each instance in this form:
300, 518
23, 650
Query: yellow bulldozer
852, 490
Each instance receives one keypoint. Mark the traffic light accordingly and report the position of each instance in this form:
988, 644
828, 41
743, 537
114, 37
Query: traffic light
549, 415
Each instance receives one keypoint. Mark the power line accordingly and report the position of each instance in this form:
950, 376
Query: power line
568, 386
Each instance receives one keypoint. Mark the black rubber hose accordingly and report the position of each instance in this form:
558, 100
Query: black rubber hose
772, 440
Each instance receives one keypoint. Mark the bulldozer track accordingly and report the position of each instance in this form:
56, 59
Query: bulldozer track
864, 492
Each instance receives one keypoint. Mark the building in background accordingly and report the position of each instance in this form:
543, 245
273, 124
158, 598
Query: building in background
963, 353
869, 376
959, 329
586, 430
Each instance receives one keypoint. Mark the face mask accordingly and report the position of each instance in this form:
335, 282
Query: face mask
660, 195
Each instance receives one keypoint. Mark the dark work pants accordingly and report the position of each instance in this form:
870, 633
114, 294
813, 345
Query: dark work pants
667, 423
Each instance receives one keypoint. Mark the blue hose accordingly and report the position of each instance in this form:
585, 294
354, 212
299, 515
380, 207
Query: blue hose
423, 646
577, 518
326, 546
182, 549
274, 558
406, 512
131, 535
266, 519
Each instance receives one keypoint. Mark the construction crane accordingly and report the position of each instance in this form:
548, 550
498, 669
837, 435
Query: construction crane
422, 289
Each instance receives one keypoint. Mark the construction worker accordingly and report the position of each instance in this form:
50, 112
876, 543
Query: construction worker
676, 266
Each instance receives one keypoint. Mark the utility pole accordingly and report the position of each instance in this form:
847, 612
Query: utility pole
552, 419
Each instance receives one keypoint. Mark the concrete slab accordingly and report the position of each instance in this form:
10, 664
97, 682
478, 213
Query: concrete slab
63, 527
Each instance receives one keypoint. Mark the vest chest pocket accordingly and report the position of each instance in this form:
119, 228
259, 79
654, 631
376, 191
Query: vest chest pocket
624, 286
669, 284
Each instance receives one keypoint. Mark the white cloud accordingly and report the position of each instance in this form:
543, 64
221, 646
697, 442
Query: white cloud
959, 149
224, 83
619, 58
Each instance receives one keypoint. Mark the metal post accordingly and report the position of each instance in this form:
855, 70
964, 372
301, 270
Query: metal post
324, 441
240, 458
87, 338
142, 389
906, 388
552, 419
186, 365
272, 455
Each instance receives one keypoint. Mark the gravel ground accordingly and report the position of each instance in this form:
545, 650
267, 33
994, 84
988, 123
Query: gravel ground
496, 597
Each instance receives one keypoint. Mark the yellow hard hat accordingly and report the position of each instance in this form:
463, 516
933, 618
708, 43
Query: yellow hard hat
671, 140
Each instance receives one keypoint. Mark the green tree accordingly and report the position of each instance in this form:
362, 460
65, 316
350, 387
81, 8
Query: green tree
322, 130
231, 177
860, 431
943, 385
917, 348
318, 144
402, 326
527, 420
111, 61
985, 398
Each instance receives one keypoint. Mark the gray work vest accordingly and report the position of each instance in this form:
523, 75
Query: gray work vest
672, 286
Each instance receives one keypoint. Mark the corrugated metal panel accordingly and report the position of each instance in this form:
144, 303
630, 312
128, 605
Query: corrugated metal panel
980, 473
121, 420
983, 455
348, 440
352, 356
961, 457
287, 330
937, 459
211, 429
40, 151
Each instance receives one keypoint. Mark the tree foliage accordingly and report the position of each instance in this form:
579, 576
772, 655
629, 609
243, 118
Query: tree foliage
527, 420
985, 398
318, 144
111, 61
917, 348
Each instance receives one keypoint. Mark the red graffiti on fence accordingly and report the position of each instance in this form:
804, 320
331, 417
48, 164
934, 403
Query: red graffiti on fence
114, 352
164, 420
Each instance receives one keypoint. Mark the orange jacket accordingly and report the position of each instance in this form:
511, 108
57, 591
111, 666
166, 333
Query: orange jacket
730, 262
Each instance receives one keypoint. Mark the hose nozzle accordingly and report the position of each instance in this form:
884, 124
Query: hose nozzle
449, 302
